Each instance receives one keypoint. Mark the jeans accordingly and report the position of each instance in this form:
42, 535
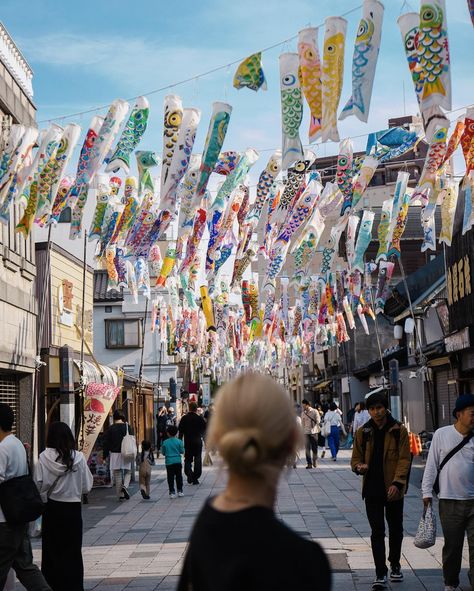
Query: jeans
122, 478
457, 519
15, 552
311, 445
379, 509
333, 441
174, 471
193, 455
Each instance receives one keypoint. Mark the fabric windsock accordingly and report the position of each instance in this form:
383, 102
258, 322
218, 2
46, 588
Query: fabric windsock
361, 182
173, 116
364, 61
400, 225
468, 218
310, 78
363, 240
291, 109
352, 226
383, 230
398, 196
385, 273
207, 308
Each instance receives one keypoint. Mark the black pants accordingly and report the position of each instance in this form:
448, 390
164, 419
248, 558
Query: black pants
174, 471
311, 445
379, 509
61, 561
193, 456
15, 552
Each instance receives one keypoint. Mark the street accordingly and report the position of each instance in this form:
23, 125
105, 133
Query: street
140, 544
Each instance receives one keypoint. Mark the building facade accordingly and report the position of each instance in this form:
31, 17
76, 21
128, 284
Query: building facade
18, 306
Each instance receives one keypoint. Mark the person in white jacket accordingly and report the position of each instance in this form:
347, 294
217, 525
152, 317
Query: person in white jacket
62, 476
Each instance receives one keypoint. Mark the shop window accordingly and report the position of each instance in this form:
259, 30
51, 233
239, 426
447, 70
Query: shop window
108, 309
123, 334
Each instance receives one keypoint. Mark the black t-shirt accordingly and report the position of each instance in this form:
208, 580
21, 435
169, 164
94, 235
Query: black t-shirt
252, 550
193, 428
374, 483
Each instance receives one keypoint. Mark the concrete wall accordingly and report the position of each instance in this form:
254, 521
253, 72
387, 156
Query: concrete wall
412, 390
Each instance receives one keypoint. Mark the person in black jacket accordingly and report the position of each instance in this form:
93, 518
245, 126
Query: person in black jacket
237, 541
193, 428
121, 470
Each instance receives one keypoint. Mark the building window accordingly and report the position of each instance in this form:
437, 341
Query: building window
65, 217
108, 309
123, 334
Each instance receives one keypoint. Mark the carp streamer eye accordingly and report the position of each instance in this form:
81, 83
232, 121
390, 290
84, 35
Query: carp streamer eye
174, 119
289, 80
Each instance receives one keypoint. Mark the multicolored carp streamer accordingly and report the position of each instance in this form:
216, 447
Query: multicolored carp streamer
382, 291
383, 230
295, 184
167, 267
214, 140
194, 239
448, 211
265, 182
310, 78
468, 217
291, 109
130, 138
249, 73
345, 173
426, 186
13, 143
306, 246
362, 180
227, 162
187, 196
103, 194
180, 159
467, 144
398, 196
363, 240
409, 25
364, 61
60, 201
400, 223
352, 226
330, 248
240, 266
172, 122
146, 159
332, 75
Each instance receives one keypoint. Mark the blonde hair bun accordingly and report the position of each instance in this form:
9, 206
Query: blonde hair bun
253, 425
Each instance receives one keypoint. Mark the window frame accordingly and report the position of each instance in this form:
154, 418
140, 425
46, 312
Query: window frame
108, 324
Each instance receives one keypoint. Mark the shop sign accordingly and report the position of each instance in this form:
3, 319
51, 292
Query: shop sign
459, 268
65, 297
458, 341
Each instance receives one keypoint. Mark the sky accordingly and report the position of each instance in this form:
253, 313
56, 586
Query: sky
85, 54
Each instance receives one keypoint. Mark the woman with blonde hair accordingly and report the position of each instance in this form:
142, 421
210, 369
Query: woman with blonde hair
237, 541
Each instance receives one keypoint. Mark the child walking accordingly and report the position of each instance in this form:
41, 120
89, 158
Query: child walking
146, 460
173, 448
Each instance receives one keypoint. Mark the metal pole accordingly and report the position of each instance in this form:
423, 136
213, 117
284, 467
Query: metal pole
81, 369
140, 372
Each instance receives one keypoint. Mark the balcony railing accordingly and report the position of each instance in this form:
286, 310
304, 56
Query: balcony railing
17, 65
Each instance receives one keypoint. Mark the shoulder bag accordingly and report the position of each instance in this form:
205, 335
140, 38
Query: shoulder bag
128, 448
20, 499
453, 452
315, 429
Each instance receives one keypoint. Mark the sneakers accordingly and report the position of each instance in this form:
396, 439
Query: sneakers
190, 480
172, 495
334, 459
125, 493
309, 467
315, 463
449, 588
195, 482
323, 454
180, 493
379, 583
396, 574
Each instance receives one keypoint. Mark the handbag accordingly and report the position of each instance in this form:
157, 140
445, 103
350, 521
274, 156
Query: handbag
20, 499
426, 534
326, 429
128, 449
448, 457
315, 429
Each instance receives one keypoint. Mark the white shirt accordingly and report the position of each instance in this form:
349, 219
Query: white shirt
456, 479
333, 418
13, 461
70, 485
360, 418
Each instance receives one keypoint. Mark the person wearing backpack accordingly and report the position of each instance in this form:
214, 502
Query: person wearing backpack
381, 454
15, 545
62, 476
449, 472
120, 466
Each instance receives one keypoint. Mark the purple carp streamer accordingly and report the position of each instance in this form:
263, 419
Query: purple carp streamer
364, 61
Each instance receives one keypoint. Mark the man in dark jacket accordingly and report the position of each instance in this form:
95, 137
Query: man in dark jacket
381, 454
193, 428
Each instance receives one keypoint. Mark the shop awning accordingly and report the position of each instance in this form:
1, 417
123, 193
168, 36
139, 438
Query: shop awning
95, 373
322, 385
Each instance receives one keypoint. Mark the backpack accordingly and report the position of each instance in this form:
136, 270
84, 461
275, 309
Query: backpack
128, 448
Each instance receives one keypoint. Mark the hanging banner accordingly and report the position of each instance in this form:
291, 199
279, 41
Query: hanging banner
98, 401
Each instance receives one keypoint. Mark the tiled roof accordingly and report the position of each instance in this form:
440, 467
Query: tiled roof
100, 289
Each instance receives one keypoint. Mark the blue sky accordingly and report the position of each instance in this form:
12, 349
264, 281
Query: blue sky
85, 54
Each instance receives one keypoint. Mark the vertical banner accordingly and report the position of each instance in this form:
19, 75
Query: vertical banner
97, 404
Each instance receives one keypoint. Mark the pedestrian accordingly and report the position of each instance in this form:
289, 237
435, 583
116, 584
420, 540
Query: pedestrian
15, 545
208, 412
237, 540
361, 417
321, 438
333, 419
451, 456
310, 421
161, 427
120, 467
146, 460
381, 454
173, 449
62, 476
192, 428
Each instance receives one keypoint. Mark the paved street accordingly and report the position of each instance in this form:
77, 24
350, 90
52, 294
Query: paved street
140, 544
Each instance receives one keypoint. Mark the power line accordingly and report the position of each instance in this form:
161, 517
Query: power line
190, 79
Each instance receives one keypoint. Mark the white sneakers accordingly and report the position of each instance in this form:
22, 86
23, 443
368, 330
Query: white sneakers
172, 495
180, 494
